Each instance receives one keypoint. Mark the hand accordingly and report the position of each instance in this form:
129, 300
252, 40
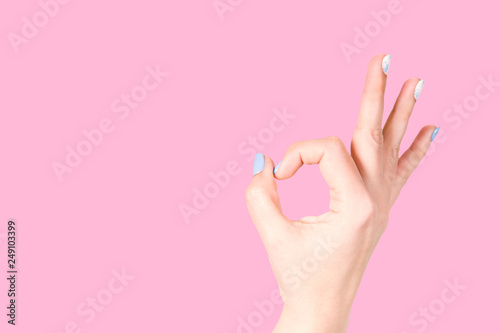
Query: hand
319, 261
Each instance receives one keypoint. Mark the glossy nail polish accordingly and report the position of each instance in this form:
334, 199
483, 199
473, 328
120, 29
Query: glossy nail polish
276, 168
258, 163
435, 133
386, 63
418, 88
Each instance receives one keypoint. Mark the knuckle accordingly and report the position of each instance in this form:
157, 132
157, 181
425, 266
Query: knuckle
405, 170
252, 192
377, 136
255, 194
294, 147
333, 139
419, 152
333, 142
394, 153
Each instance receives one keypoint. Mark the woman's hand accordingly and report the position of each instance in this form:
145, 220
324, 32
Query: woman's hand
319, 260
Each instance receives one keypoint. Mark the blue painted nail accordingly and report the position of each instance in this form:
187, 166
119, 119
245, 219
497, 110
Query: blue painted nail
418, 88
276, 168
435, 133
386, 63
258, 163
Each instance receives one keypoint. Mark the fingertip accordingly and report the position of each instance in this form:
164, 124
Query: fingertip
269, 166
411, 83
425, 133
282, 170
428, 129
378, 59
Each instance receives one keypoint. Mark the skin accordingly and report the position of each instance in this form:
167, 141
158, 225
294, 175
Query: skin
319, 261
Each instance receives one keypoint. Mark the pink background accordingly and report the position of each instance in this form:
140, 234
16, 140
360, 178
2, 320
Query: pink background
120, 207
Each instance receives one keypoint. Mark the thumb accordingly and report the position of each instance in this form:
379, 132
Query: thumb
262, 199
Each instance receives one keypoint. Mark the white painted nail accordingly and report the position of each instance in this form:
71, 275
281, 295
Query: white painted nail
386, 63
418, 88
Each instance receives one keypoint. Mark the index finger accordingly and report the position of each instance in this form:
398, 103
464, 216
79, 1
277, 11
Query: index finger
335, 163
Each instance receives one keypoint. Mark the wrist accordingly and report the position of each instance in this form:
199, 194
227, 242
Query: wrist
314, 321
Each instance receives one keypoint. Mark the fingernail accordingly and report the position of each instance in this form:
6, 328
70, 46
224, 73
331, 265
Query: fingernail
386, 63
276, 168
258, 163
418, 89
435, 133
